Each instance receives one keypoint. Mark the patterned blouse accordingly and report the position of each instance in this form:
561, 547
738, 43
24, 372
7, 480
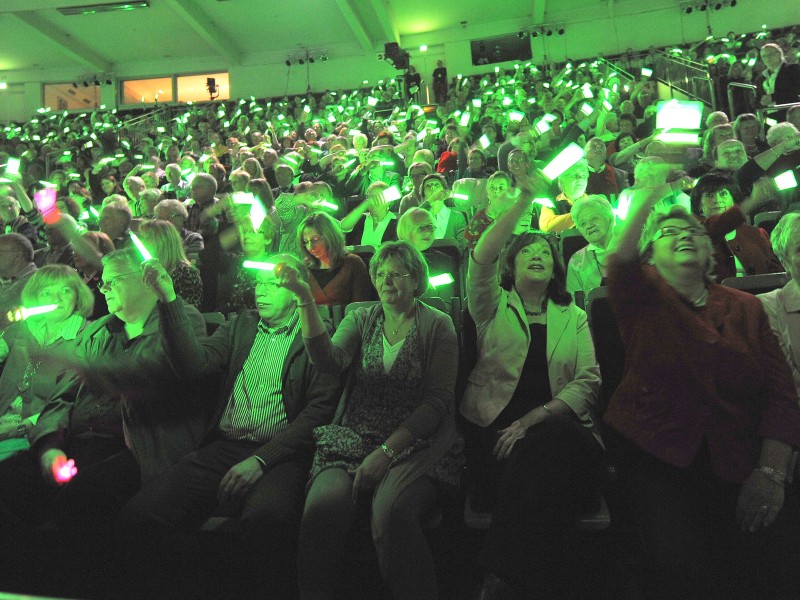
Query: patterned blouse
188, 284
379, 403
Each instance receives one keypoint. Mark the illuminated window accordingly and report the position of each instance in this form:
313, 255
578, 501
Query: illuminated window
65, 96
147, 91
194, 88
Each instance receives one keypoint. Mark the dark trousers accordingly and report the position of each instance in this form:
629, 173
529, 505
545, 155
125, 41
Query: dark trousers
29, 501
157, 527
549, 479
694, 547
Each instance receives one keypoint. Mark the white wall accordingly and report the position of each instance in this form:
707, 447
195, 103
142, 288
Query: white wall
608, 29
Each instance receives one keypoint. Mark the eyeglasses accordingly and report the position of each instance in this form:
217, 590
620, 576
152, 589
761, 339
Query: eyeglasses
110, 282
380, 276
313, 241
675, 231
270, 286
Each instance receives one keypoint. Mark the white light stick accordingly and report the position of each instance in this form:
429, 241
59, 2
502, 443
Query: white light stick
563, 161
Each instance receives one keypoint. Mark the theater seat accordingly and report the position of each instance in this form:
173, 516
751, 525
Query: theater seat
757, 284
594, 521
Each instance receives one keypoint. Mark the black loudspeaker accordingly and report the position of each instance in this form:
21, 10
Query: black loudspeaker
395, 56
211, 84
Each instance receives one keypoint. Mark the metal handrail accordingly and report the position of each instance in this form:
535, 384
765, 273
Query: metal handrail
744, 86
681, 59
680, 76
761, 112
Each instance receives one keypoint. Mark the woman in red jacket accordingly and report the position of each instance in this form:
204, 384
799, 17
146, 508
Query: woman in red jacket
709, 412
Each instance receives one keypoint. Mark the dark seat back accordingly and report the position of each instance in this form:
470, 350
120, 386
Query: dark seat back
757, 284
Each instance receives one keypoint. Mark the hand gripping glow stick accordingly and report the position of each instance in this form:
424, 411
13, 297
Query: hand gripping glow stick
63, 472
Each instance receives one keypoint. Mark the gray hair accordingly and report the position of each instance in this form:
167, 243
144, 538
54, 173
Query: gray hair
777, 131
596, 202
779, 238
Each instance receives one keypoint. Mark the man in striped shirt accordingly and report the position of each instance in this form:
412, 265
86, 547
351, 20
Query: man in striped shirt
256, 455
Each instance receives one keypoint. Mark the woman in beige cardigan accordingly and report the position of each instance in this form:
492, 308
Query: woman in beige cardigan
532, 444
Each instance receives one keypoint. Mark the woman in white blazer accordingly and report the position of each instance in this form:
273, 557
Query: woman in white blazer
532, 444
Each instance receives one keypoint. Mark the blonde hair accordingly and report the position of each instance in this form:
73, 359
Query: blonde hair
166, 243
63, 275
780, 236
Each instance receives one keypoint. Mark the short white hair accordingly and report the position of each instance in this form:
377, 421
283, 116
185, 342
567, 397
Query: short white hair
779, 132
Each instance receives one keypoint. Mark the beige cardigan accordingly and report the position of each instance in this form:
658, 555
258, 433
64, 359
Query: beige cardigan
503, 340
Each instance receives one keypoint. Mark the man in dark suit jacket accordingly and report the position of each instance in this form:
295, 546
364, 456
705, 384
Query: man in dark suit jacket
603, 178
255, 457
780, 81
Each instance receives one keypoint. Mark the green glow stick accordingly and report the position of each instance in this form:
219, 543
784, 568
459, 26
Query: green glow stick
515, 116
770, 122
679, 114
243, 198
372, 101
587, 91
325, 204
460, 196
23, 313
349, 163
786, 181
257, 213
563, 161
607, 105
484, 141
477, 102
647, 72
12, 166
544, 202
421, 135
507, 101
391, 194
140, 247
261, 266
443, 279
676, 137
386, 163
586, 109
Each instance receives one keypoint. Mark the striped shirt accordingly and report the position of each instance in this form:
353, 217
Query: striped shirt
255, 410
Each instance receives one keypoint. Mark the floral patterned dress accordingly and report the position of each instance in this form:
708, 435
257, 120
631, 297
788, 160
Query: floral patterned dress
379, 403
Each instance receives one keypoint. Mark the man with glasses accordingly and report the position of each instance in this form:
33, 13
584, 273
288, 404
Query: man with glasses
256, 454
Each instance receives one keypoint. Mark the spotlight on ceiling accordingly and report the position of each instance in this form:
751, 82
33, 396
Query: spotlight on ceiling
548, 32
561, 30
302, 61
85, 84
688, 10
311, 59
288, 63
534, 33
74, 84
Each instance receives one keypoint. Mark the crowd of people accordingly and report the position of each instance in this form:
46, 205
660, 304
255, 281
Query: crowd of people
131, 411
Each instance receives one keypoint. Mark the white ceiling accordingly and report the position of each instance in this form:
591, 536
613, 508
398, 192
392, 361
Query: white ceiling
36, 36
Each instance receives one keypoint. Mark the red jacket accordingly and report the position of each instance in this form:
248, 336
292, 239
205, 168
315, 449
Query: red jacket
714, 373
750, 246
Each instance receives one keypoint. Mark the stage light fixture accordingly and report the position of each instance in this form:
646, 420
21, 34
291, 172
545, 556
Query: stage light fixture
561, 30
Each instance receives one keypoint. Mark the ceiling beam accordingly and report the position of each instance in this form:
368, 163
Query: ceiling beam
539, 7
205, 28
70, 45
356, 26
385, 20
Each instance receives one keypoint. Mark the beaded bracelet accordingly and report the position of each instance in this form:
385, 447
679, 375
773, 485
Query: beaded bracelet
774, 475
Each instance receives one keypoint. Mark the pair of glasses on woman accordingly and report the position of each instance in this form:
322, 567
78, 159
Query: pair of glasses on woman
676, 231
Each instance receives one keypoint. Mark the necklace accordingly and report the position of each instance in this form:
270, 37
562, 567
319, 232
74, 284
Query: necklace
536, 313
399, 325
